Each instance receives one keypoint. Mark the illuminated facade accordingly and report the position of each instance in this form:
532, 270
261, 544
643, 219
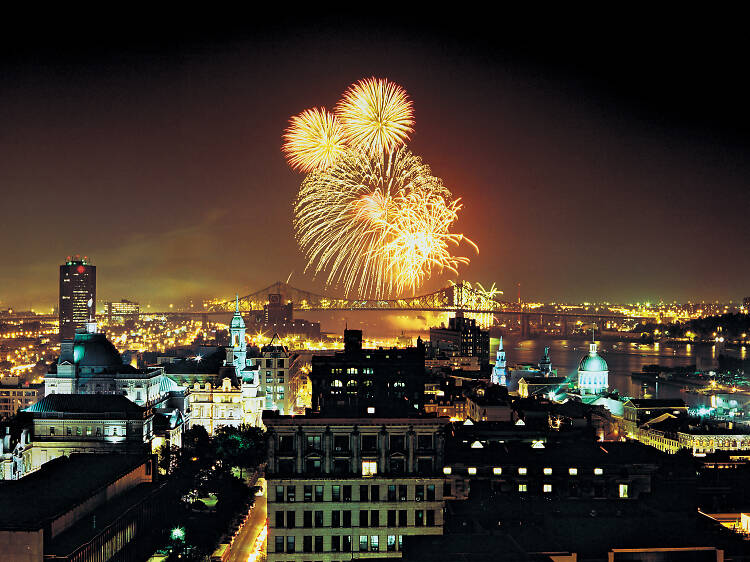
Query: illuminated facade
593, 373
214, 406
15, 396
122, 310
272, 369
237, 398
90, 364
462, 337
77, 295
63, 424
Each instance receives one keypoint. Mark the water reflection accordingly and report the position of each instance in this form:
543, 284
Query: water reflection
623, 358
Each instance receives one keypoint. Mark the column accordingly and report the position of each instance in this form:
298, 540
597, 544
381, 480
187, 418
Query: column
300, 442
411, 446
327, 451
383, 450
354, 441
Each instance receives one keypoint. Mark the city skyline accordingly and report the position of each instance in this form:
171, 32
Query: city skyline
581, 180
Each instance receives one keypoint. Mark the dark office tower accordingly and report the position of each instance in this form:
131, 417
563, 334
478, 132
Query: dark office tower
77, 295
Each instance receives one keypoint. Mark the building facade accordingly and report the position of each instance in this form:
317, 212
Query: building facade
90, 364
63, 424
273, 374
120, 311
15, 396
358, 377
340, 488
463, 337
77, 295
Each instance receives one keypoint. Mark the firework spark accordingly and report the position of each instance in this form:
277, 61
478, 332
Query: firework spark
378, 224
376, 115
313, 140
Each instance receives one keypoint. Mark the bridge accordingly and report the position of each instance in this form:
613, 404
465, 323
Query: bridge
474, 301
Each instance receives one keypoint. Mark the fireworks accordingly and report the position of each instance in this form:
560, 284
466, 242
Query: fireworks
377, 224
313, 140
370, 213
376, 115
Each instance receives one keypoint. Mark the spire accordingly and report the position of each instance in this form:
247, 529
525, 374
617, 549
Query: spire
237, 302
501, 344
592, 347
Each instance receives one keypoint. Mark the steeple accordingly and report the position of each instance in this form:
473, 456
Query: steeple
237, 334
498, 371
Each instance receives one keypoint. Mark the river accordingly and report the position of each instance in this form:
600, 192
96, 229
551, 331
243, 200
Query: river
623, 358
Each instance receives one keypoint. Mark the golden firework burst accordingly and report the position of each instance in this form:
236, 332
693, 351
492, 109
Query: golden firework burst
313, 140
376, 115
377, 224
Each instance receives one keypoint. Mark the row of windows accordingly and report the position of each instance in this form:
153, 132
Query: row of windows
342, 543
343, 443
521, 470
314, 466
109, 430
338, 493
623, 489
365, 518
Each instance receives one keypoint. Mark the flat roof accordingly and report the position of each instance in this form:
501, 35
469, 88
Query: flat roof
58, 486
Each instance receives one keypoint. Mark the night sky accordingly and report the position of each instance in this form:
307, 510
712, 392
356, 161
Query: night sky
594, 162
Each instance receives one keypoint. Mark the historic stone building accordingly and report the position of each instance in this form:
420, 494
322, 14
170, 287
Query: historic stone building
343, 486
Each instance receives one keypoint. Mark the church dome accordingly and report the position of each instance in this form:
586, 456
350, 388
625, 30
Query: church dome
593, 362
95, 350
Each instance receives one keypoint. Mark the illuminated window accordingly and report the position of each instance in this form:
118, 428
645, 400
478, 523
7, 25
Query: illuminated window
522, 470
547, 488
472, 470
573, 471
497, 471
623, 490
598, 471
547, 471
369, 468
446, 469
522, 487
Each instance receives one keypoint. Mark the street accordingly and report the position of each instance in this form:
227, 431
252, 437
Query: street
244, 546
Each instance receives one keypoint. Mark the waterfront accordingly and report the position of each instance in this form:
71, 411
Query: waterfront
623, 358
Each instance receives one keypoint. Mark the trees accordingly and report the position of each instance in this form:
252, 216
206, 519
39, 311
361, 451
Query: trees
243, 446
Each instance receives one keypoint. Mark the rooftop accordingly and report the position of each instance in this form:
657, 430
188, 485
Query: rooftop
657, 402
83, 475
86, 404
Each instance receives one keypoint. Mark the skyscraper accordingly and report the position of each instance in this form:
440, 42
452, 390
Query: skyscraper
77, 295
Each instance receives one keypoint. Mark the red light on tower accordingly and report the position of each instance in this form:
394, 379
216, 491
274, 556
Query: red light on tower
80, 269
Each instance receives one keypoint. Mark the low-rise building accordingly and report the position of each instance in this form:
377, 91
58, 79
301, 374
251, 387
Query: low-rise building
63, 424
85, 507
16, 396
488, 403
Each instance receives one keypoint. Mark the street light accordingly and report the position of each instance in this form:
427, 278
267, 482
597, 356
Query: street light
178, 534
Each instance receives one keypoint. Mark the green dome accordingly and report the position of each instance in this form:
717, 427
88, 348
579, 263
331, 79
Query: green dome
593, 363
95, 350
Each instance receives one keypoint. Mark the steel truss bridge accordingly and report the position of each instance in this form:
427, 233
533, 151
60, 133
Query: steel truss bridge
461, 296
